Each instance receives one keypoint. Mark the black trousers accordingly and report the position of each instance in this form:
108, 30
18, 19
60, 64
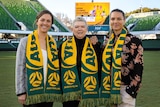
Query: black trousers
45, 104
71, 103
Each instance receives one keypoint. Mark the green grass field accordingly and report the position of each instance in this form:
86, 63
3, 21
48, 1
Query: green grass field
148, 96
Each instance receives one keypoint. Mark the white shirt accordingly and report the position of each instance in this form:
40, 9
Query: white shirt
44, 54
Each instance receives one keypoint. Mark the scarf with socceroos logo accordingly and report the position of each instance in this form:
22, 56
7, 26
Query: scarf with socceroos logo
111, 70
87, 91
38, 91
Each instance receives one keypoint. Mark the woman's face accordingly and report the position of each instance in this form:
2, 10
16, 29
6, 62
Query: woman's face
44, 23
79, 29
117, 21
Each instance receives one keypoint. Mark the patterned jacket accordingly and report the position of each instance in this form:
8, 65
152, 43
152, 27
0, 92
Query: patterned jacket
132, 64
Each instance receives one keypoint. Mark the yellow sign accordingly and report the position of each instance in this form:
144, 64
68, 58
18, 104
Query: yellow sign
94, 13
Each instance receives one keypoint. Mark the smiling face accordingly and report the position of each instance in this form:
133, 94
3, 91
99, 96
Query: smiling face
117, 21
79, 28
44, 23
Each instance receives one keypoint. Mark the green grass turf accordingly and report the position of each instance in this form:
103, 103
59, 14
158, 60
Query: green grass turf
148, 96
150, 92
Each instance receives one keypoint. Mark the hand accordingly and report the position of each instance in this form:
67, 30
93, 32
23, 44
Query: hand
93, 39
22, 99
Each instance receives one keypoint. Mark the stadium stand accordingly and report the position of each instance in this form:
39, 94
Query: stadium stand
5, 17
23, 13
143, 21
18, 9
20, 15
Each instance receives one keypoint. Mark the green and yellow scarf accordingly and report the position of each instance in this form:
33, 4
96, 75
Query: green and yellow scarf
111, 70
37, 91
87, 91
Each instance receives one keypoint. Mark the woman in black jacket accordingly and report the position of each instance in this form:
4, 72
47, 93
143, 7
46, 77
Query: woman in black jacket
79, 68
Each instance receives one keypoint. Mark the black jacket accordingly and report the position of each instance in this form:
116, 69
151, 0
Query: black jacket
80, 45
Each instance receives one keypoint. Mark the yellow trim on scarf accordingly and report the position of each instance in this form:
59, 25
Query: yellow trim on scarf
71, 48
111, 69
117, 61
52, 54
33, 50
89, 68
89, 54
38, 91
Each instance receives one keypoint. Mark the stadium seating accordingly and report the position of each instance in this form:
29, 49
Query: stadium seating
18, 14
24, 12
147, 23
19, 9
6, 22
36, 5
143, 22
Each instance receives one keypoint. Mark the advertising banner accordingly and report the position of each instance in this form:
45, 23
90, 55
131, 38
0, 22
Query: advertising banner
95, 13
